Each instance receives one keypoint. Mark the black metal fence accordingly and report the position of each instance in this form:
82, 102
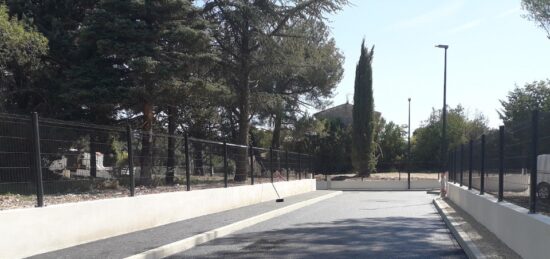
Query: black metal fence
49, 159
511, 163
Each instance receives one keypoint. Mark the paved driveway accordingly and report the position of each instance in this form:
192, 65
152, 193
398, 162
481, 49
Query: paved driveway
352, 225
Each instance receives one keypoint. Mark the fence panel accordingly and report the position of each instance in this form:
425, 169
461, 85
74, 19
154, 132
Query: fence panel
517, 140
82, 161
492, 161
543, 164
476, 164
16, 174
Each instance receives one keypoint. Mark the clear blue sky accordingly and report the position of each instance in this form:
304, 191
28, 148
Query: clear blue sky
492, 48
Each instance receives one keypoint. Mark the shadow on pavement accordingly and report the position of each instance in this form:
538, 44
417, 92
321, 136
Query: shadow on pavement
389, 237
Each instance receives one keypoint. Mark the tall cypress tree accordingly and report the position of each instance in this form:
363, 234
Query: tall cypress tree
363, 115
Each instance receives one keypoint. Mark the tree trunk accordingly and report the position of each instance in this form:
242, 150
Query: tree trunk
241, 161
278, 121
146, 143
171, 161
198, 158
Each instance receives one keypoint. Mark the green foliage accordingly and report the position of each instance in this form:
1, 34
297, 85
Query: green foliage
261, 137
153, 46
522, 100
298, 70
393, 147
242, 29
172, 66
21, 52
46, 89
363, 115
426, 142
539, 12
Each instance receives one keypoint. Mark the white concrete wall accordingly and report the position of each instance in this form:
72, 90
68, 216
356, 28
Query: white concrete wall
377, 185
26, 232
527, 234
512, 182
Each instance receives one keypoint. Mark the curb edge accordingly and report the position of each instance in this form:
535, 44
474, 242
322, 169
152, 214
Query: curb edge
471, 250
190, 242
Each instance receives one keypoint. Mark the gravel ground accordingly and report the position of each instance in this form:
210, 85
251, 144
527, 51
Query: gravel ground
486, 242
522, 199
542, 206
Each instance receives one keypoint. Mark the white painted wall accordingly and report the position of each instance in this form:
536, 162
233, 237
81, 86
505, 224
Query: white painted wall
512, 182
30, 231
527, 234
378, 185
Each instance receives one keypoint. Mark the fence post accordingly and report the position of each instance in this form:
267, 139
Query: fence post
534, 140
461, 164
225, 165
299, 166
310, 158
455, 159
129, 139
482, 180
37, 161
471, 164
451, 166
287, 167
187, 169
251, 165
457, 166
501, 164
409, 169
271, 162
93, 158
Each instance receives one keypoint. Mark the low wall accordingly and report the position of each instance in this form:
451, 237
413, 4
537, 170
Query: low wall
512, 182
26, 232
378, 185
527, 234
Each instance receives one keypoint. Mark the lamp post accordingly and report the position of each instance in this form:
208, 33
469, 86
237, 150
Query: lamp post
444, 115
409, 149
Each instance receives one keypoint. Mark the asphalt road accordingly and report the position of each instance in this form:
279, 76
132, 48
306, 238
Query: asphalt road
351, 225
141, 241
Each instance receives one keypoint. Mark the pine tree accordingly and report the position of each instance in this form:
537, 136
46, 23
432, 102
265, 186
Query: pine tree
243, 29
144, 54
363, 115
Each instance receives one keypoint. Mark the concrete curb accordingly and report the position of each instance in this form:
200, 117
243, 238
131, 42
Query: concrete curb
190, 242
469, 247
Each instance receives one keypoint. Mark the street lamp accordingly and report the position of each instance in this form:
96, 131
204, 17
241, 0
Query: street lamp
409, 150
444, 116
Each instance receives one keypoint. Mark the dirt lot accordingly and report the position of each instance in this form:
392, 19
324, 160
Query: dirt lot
542, 206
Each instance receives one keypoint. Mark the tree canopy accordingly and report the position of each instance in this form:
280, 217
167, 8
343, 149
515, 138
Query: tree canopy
426, 140
22, 48
539, 12
522, 100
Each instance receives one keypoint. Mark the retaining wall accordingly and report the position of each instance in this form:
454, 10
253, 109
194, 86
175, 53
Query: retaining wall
378, 185
527, 234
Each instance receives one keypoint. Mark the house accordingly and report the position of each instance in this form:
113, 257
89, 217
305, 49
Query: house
343, 112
